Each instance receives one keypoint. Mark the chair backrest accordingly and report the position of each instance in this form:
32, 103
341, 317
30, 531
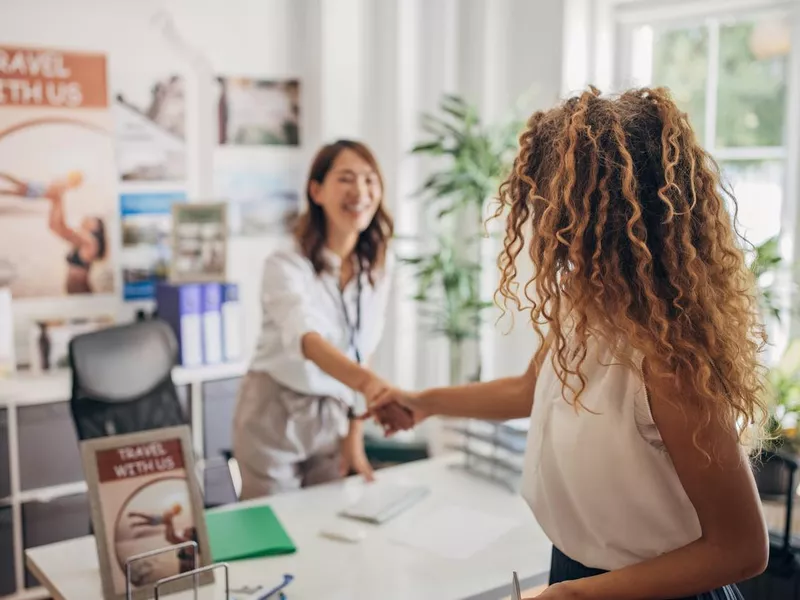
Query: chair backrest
122, 380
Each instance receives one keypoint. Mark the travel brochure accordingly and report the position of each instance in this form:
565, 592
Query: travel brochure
144, 496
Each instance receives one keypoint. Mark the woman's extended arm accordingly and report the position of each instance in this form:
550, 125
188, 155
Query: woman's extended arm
500, 399
336, 364
331, 360
289, 302
506, 398
58, 224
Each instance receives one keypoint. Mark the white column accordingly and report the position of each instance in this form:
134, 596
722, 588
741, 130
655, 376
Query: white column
603, 36
534, 58
577, 45
390, 112
791, 201
496, 102
344, 56
306, 20
439, 74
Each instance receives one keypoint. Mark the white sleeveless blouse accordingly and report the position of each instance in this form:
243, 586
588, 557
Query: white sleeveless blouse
600, 483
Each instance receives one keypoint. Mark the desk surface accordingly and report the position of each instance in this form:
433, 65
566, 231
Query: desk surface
374, 568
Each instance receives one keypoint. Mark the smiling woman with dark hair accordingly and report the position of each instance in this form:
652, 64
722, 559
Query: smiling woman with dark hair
324, 305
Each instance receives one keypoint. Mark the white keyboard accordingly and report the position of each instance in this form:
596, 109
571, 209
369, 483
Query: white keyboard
382, 501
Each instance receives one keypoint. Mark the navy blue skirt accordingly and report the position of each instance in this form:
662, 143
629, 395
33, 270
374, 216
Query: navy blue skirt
563, 568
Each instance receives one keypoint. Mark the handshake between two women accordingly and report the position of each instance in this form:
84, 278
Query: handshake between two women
394, 409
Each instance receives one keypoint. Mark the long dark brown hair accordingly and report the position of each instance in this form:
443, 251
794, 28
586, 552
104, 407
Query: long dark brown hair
623, 215
311, 226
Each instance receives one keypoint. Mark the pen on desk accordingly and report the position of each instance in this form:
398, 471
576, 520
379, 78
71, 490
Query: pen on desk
287, 579
515, 586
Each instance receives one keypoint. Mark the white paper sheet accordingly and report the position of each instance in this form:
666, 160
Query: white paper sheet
454, 532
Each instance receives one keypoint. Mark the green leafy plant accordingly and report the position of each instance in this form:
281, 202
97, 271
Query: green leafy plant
766, 261
480, 156
783, 379
471, 160
456, 277
783, 387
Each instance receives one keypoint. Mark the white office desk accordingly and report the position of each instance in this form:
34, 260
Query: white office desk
374, 568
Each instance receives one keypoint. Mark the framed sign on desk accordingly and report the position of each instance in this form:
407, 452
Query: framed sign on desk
144, 496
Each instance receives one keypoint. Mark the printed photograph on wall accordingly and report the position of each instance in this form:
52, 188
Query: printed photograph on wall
199, 242
144, 496
258, 112
262, 195
150, 127
146, 220
57, 173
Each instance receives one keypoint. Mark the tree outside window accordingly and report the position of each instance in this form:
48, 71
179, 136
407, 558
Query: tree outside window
730, 76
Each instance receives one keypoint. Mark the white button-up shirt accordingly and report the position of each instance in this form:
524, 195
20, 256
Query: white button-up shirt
295, 301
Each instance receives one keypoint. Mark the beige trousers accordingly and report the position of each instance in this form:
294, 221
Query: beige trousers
284, 440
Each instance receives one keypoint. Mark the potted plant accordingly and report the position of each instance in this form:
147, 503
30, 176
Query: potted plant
783, 388
765, 263
783, 380
471, 159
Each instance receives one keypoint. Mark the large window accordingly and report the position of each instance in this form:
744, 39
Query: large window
730, 74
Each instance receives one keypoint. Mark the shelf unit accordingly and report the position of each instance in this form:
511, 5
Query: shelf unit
40, 470
494, 450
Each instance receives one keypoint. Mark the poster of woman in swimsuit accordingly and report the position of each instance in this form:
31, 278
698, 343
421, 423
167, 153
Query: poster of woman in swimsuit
57, 172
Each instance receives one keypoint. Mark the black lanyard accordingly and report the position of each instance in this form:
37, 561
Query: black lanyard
353, 331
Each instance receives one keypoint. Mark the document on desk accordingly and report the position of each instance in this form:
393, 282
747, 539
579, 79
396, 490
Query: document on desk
454, 532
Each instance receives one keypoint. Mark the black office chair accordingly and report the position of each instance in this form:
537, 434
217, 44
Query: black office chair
776, 473
122, 383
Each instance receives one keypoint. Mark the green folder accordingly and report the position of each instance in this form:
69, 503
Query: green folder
247, 533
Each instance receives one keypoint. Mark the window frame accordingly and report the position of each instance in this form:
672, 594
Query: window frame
711, 21
599, 28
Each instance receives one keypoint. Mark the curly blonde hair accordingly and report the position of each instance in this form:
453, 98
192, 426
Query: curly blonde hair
623, 216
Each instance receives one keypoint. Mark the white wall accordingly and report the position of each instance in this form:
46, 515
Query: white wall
533, 32
239, 37
368, 69
490, 51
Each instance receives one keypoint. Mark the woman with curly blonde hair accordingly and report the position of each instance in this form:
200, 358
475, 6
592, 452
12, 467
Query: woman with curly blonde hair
647, 380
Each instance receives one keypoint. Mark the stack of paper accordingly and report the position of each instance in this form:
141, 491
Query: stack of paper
454, 532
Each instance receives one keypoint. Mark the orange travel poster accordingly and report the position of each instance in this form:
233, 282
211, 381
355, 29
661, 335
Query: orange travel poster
38, 77
57, 172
